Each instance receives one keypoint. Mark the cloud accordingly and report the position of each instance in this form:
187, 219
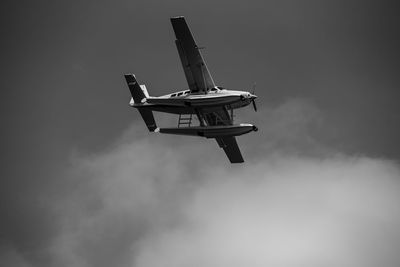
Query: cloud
10, 257
146, 202
156, 200
291, 127
287, 212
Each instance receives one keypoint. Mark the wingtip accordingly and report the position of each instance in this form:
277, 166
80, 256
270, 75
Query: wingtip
129, 75
130, 78
236, 161
177, 17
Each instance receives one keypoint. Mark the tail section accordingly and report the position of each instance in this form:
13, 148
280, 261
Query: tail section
148, 118
139, 94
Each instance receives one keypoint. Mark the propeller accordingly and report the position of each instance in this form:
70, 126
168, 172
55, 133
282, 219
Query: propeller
254, 100
254, 105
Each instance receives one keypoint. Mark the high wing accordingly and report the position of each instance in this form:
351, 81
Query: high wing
220, 116
194, 66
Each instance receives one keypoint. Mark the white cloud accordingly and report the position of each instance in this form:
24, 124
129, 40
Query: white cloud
159, 202
292, 212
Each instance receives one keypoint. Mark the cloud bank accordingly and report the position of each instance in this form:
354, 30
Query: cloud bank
156, 201
287, 212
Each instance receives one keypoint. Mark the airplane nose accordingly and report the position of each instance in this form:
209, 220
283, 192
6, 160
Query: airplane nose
248, 96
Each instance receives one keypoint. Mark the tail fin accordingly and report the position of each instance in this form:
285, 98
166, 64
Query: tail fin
139, 93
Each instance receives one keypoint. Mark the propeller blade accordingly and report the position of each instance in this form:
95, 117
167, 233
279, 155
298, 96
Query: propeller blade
254, 105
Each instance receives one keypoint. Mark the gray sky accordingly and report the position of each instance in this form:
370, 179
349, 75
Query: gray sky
328, 86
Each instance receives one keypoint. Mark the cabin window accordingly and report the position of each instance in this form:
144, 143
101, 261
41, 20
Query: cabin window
187, 92
173, 95
181, 93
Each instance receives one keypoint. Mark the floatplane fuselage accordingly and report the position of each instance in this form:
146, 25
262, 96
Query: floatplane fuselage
184, 102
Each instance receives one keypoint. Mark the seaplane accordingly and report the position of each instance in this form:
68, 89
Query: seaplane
204, 109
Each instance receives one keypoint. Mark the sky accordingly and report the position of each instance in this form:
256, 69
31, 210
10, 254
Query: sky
84, 184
